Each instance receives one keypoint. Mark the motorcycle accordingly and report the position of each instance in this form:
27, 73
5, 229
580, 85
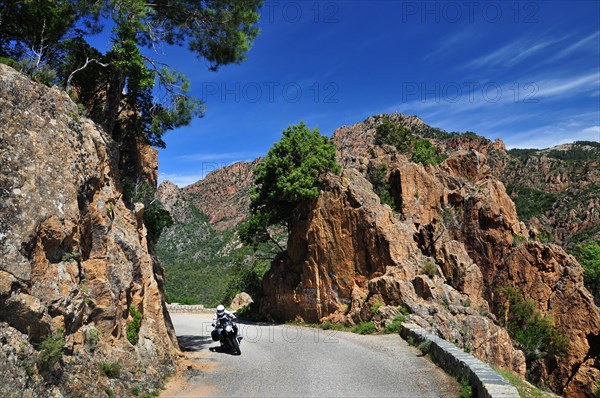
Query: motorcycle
227, 335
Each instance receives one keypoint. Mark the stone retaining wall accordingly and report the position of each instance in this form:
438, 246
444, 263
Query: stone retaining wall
180, 308
486, 382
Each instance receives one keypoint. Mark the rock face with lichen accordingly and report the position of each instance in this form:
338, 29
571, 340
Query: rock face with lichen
451, 241
74, 258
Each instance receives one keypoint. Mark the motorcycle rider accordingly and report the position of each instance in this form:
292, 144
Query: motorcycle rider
220, 314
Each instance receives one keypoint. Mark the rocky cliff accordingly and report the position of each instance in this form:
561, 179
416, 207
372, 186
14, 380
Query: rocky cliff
76, 274
452, 242
223, 195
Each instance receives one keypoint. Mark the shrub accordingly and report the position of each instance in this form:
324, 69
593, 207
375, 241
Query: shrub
376, 306
364, 328
534, 334
588, 255
429, 268
396, 325
425, 347
403, 310
466, 391
51, 350
395, 134
111, 369
377, 176
425, 153
133, 327
518, 239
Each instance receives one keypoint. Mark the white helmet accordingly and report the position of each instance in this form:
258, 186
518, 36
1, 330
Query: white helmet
220, 310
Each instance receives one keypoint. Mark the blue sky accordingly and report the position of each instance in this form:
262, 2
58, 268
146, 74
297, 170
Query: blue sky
526, 72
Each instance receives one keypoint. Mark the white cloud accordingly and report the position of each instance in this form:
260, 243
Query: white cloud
573, 85
181, 180
550, 135
220, 156
511, 54
590, 41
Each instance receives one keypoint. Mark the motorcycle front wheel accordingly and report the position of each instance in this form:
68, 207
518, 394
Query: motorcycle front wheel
236, 346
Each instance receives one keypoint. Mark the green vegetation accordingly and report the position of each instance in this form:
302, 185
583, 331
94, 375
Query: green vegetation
396, 324
525, 389
110, 369
466, 391
523, 154
425, 347
425, 153
377, 176
364, 328
289, 175
133, 327
395, 134
245, 278
50, 350
533, 333
206, 266
375, 307
518, 239
156, 218
429, 268
588, 255
531, 202
579, 151
110, 392
92, 337
335, 326
46, 40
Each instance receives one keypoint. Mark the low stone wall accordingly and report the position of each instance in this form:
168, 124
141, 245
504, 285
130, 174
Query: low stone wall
180, 308
486, 382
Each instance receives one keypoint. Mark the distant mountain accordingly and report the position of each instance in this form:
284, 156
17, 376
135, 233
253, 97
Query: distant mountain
556, 190
201, 252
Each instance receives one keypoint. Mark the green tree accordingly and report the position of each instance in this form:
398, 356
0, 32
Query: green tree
291, 173
588, 255
51, 33
534, 334
425, 153
392, 133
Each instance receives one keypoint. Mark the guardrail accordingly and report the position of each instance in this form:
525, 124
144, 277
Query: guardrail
182, 308
486, 382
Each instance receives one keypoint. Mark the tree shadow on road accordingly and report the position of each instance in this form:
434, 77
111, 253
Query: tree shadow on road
193, 342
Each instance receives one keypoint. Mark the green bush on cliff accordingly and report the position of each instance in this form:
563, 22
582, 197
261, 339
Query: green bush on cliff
377, 176
425, 153
395, 134
133, 327
50, 350
290, 174
534, 334
588, 255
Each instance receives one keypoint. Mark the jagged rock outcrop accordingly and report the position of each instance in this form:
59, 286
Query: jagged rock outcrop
74, 257
454, 240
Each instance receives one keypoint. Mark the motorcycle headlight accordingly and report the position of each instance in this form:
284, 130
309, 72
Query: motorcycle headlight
228, 329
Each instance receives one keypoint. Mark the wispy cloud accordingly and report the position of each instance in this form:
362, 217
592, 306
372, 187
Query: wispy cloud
551, 135
220, 156
512, 53
590, 42
572, 85
181, 180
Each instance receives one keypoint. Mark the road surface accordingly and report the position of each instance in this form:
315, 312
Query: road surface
291, 361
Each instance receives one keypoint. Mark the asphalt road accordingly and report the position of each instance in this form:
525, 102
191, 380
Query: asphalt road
290, 361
